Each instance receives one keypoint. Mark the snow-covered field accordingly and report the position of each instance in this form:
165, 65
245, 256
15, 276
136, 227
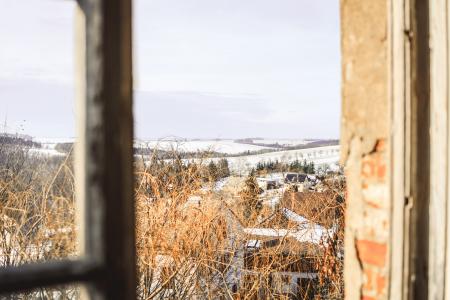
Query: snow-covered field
46, 152
327, 155
53, 141
220, 146
282, 142
49, 145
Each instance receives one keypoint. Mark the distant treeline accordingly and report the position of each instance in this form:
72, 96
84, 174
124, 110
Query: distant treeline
18, 141
171, 176
173, 162
64, 147
165, 154
168, 154
296, 166
312, 144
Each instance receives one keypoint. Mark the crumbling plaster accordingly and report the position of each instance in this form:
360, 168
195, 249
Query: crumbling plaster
364, 143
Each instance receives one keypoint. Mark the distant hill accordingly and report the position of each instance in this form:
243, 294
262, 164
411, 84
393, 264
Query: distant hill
19, 140
292, 145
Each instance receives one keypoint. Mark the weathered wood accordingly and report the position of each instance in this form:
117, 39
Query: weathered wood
419, 176
119, 230
447, 229
400, 154
439, 147
104, 162
108, 158
31, 276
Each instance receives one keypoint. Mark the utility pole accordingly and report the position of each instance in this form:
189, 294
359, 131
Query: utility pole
5, 125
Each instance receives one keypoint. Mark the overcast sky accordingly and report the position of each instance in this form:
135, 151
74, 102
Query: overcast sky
203, 68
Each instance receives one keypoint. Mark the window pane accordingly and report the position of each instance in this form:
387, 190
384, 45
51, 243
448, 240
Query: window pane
37, 131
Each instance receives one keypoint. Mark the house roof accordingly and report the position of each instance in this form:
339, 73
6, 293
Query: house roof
296, 177
320, 208
312, 235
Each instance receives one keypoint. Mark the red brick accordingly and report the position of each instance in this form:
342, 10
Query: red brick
367, 169
374, 168
368, 285
374, 282
380, 145
372, 252
381, 171
373, 204
381, 284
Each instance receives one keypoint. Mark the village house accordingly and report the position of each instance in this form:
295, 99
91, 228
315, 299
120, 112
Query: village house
289, 254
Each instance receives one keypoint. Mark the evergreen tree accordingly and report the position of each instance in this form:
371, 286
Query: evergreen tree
251, 205
223, 168
212, 171
310, 168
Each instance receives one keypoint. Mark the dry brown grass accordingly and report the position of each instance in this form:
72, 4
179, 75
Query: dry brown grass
36, 213
188, 247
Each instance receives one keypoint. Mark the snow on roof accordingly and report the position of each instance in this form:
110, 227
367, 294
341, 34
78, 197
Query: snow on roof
311, 177
264, 179
273, 201
305, 235
253, 244
292, 216
306, 231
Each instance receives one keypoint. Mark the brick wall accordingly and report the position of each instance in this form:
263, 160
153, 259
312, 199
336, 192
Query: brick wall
365, 142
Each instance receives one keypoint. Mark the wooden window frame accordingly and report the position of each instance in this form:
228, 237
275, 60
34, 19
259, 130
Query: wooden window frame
104, 162
420, 249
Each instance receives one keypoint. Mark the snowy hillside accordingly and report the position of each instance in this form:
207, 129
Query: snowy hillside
220, 146
328, 155
281, 142
325, 155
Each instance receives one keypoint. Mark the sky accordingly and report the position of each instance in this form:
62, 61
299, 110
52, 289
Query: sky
202, 68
